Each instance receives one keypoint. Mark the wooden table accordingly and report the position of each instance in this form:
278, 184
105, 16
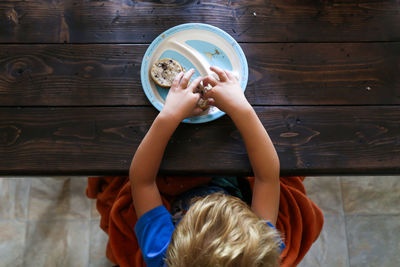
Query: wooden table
324, 77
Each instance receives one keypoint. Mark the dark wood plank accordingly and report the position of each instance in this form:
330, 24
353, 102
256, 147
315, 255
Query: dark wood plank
323, 73
116, 21
71, 75
280, 74
309, 140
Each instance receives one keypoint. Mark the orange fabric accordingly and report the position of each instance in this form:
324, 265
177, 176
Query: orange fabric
300, 220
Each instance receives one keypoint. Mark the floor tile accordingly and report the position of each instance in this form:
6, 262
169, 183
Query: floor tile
94, 213
330, 249
58, 198
12, 241
57, 243
373, 240
325, 192
14, 194
371, 194
98, 244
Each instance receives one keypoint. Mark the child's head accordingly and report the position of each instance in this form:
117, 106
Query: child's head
221, 230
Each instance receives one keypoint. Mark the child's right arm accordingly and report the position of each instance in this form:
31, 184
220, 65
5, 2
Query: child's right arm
229, 97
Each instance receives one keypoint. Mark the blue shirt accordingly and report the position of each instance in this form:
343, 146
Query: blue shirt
154, 229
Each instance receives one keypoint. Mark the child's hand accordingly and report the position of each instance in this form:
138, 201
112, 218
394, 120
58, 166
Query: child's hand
181, 101
226, 93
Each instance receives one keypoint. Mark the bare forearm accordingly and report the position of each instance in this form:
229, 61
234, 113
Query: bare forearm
180, 103
148, 156
261, 151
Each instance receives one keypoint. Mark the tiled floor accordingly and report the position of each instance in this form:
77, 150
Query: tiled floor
362, 221
48, 221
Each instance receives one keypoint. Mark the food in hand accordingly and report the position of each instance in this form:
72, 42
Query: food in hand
164, 70
163, 73
201, 89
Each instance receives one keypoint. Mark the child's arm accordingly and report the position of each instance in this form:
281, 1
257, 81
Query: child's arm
229, 97
181, 103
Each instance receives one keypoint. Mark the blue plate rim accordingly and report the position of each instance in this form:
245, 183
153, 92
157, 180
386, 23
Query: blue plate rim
202, 26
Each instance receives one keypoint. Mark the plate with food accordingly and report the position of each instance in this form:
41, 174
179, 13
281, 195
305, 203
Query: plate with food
187, 46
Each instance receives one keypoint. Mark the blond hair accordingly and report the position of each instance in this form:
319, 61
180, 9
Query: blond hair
221, 230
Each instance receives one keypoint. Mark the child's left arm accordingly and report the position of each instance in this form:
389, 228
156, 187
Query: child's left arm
180, 103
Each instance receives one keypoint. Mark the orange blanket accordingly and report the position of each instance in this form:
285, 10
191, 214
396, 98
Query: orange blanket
300, 220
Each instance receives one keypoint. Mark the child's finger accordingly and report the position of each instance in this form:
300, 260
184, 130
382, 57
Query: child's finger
197, 111
209, 93
230, 75
221, 73
210, 80
186, 78
211, 101
194, 84
195, 98
177, 79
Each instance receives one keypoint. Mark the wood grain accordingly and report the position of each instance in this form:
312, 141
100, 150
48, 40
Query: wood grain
279, 74
72, 75
309, 140
116, 21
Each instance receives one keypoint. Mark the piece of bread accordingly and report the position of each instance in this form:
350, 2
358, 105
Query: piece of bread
201, 89
164, 70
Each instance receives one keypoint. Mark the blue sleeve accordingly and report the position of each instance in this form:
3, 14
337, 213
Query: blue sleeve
154, 231
281, 244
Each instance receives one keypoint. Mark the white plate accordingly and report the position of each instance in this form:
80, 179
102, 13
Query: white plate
197, 46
